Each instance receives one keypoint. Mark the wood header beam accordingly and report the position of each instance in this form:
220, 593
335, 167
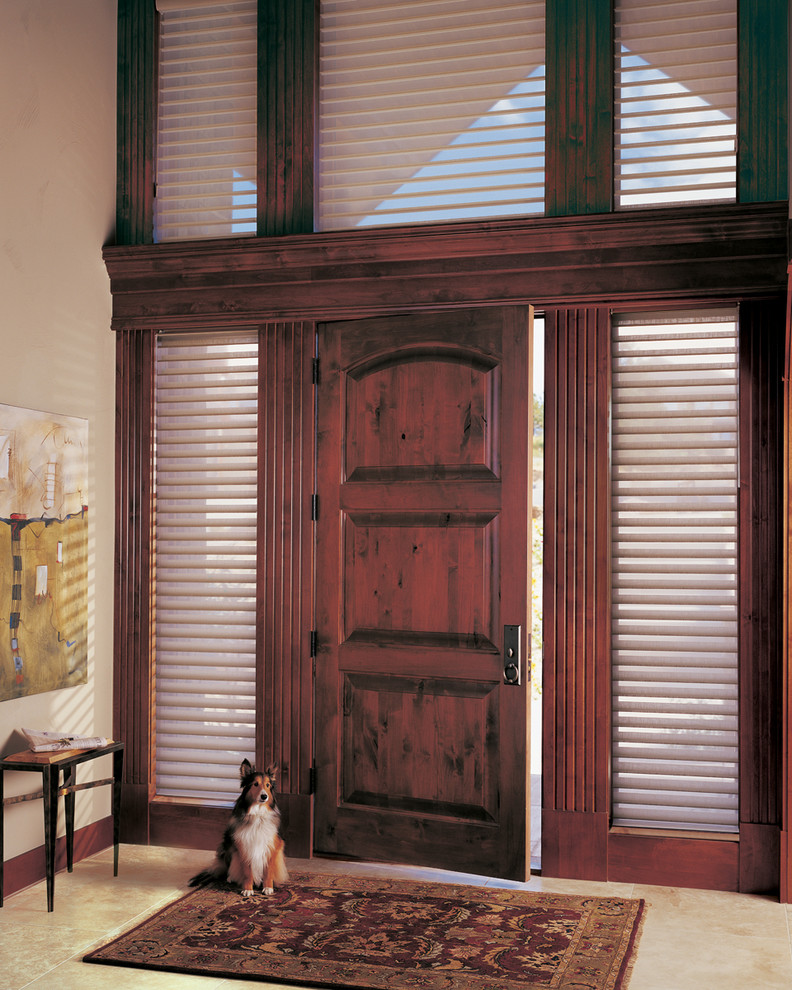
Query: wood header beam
721, 252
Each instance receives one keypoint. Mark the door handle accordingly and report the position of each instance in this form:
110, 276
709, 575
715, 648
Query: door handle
512, 659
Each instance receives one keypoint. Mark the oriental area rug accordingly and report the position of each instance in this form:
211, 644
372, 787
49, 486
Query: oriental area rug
385, 934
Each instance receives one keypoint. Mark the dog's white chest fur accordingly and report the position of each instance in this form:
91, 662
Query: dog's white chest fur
254, 839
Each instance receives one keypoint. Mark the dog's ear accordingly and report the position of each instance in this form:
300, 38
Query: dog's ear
245, 770
272, 771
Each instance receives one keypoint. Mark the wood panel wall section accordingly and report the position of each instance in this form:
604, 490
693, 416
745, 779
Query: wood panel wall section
762, 100
761, 480
284, 612
287, 58
133, 699
786, 609
576, 617
579, 111
135, 99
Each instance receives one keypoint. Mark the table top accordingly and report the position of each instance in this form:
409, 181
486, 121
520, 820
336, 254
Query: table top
28, 760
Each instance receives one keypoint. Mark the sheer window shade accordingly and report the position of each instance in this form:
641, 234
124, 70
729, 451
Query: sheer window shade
674, 571
206, 129
205, 563
676, 101
430, 111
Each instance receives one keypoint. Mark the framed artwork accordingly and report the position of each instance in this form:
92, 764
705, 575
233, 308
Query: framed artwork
43, 552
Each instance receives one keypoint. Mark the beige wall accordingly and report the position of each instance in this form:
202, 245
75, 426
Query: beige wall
57, 189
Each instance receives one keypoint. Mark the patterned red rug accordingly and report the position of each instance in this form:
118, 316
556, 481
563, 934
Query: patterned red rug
341, 931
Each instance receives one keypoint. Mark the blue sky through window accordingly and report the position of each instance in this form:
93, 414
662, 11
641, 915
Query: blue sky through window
243, 211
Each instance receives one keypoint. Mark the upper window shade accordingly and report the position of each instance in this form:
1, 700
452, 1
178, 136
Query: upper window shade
430, 111
676, 101
206, 128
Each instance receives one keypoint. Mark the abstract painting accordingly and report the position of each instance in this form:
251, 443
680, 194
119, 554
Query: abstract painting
43, 552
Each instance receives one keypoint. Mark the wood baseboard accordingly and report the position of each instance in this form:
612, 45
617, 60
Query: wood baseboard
30, 868
179, 823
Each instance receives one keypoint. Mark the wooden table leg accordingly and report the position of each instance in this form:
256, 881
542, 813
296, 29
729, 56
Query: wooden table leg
51, 776
118, 767
69, 776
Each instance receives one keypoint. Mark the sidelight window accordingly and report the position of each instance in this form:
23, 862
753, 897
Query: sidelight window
205, 562
674, 571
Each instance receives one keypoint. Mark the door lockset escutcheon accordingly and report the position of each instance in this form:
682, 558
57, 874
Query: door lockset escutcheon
512, 672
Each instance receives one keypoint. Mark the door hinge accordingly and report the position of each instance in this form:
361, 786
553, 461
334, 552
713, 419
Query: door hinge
315, 371
313, 643
312, 780
314, 507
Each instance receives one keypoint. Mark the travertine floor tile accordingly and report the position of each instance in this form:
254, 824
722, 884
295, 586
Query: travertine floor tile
714, 912
692, 960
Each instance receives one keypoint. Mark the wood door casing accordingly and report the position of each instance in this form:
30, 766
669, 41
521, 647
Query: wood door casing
423, 554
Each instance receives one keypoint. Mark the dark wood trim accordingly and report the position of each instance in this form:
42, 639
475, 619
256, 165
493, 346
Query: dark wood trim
576, 581
287, 54
136, 108
685, 254
760, 851
762, 100
786, 611
30, 867
673, 861
761, 417
285, 561
579, 107
132, 675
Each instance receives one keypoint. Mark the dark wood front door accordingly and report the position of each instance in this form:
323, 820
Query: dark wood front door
423, 557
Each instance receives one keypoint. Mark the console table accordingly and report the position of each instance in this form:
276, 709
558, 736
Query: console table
50, 765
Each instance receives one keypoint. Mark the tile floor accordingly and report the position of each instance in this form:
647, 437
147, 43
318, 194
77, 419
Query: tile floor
692, 940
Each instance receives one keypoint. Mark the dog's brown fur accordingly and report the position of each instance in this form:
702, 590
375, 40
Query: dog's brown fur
251, 853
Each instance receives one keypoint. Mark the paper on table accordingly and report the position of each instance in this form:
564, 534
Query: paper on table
42, 741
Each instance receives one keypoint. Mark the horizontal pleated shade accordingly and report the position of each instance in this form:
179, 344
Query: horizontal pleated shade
206, 129
675, 101
430, 111
674, 571
205, 563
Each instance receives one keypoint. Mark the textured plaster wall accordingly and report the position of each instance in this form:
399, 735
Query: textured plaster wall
57, 190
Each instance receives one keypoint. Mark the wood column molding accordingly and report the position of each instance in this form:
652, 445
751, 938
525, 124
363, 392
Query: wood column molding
132, 672
761, 494
136, 100
786, 612
579, 112
287, 60
284, 602
576, 650
762, 100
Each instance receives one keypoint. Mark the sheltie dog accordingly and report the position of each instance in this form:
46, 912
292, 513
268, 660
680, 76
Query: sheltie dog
251, 851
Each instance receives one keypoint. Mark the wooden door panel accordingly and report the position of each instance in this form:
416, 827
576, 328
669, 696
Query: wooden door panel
400, 425
394, 727
422, 554
428, 576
